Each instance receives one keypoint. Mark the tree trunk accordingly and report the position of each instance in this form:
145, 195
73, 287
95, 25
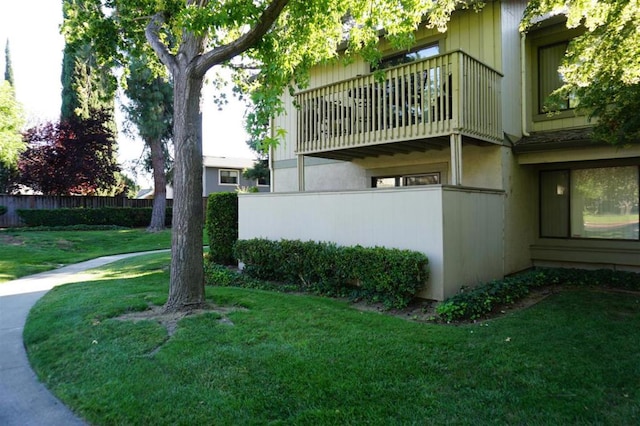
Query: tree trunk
159, 185
186, 288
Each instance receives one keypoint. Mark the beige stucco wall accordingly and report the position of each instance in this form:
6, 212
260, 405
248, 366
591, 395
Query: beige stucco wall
439, 221
521, 212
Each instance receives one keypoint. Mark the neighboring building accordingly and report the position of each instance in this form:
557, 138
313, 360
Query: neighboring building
452, 155
222, 174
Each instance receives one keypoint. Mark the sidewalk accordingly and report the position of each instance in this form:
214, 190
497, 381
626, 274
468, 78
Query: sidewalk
23, 399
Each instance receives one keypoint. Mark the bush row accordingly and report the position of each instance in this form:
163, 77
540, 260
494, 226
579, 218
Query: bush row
70, 228
376, 274
221, 225
120, 216
476, 302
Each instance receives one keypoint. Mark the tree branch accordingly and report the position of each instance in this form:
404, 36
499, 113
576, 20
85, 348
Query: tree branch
151, 33
224, 53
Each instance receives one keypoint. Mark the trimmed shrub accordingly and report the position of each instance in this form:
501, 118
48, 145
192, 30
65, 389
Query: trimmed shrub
131, 217
376, 274
3, 210
474, 303
222, 226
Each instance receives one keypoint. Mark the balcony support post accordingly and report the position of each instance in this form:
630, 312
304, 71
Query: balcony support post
301, 184
456, 158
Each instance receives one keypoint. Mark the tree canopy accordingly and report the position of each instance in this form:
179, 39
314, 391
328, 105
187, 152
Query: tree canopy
602, 66
8, 69
72, 157
270, 44
11, 122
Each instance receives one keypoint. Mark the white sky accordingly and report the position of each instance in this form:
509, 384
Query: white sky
35, 45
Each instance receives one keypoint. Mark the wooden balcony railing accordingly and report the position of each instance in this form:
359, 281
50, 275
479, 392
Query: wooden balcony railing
450, 93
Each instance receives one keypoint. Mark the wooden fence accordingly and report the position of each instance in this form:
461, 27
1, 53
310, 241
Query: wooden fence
16, 202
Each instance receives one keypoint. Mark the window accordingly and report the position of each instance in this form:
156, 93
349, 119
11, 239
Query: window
590, 203
410, 56
549, 78
264, 181
410, 180
229, 177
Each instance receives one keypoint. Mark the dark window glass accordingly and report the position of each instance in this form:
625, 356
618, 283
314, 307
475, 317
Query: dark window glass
411, 56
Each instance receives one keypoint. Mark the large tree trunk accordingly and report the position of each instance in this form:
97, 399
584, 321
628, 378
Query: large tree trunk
188, 67
160, 186
187, 268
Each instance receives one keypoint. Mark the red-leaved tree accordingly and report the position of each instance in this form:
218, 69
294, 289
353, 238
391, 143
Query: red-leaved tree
72, 157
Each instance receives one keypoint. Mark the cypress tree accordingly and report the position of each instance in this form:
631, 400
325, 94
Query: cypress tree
86, 84
8, 70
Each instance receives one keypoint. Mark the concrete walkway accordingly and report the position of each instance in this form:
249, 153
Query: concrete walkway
23, 399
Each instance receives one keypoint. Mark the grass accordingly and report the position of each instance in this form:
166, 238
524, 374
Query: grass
611, 218
290, 359
29, 252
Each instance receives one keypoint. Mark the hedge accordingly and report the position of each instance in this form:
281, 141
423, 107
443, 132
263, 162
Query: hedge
376, 274
474, 303
222, 226
120, 216
3, 210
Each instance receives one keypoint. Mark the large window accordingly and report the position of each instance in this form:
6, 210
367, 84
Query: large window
590, 203
549, 78
229, 177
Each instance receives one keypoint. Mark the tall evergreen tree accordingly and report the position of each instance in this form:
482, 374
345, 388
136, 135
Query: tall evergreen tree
8, 70
151, 110
87, 84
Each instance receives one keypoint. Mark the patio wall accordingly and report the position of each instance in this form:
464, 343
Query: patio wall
459, 229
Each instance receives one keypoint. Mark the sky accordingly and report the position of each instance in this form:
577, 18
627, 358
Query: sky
35, 45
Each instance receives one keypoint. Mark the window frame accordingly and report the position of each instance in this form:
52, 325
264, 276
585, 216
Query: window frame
237, 172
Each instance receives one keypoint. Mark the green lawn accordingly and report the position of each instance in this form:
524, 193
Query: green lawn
610, 218
290, 359
29, 252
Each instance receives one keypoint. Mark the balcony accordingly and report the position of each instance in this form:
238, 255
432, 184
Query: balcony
411, 107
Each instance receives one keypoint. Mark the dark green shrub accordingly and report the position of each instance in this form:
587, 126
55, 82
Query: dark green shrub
377, 274
474, 303
3, 210
222, 226
131, 217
